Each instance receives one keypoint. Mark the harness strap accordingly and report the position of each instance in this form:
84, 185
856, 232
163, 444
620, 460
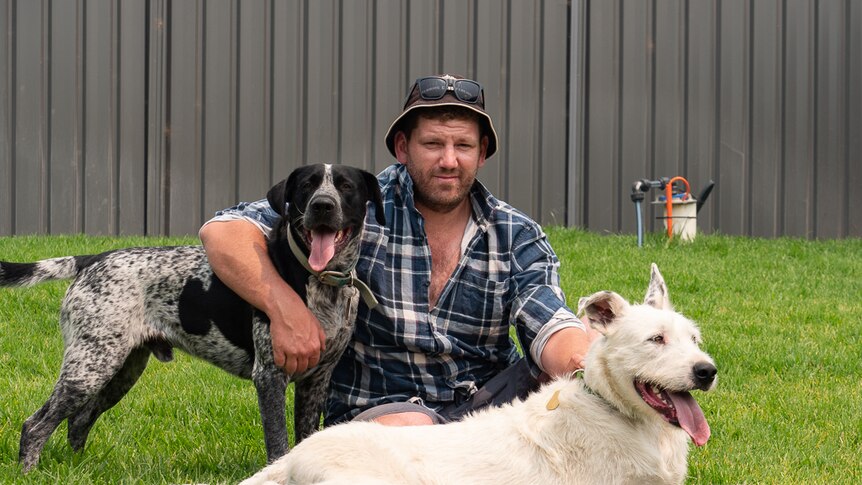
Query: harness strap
334, 278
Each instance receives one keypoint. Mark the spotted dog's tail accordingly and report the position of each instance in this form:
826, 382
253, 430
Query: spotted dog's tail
29, 274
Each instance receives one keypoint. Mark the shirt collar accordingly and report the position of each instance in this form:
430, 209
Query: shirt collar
484, 204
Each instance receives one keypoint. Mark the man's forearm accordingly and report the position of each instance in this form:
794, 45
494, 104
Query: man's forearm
237, 253
566, 350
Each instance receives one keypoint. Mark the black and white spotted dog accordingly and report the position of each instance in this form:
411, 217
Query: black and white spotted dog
125, 305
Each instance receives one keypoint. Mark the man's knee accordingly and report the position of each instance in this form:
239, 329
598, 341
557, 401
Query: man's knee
401, 414
404, 419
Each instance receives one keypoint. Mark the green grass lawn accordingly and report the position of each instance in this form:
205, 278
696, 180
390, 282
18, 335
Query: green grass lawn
782, 319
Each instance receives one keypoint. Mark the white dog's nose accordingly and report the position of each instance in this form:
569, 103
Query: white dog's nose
704, 374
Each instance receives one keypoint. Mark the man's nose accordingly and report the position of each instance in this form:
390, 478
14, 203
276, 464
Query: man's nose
450, 157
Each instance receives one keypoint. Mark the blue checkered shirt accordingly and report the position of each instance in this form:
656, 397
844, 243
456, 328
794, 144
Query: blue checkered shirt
405, 349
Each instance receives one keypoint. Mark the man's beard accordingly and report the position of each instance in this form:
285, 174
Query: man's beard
438, 202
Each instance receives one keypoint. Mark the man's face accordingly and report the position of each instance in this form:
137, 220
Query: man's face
443, 158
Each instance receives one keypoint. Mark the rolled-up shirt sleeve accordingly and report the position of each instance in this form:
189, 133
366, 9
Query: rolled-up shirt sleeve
259, 213
539, 309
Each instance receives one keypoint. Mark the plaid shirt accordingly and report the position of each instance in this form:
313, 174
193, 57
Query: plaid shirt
406, 349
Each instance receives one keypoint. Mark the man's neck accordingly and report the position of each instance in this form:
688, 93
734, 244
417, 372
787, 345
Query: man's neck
456, 217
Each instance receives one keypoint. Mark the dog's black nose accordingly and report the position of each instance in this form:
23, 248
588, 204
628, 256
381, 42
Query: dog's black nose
704, 374
322, 206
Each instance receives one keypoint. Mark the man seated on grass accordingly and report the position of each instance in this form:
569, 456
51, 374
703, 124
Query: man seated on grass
453, 269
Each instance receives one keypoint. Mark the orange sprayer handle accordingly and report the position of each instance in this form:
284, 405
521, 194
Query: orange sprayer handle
668, 204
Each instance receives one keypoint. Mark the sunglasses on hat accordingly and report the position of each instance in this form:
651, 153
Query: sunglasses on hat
435, 87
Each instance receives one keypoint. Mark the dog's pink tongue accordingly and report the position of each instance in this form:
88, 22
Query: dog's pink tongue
690, 417
322, 249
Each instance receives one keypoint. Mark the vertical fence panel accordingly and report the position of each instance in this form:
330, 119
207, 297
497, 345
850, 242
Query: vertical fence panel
766, 170
219, 164
67, 128
830, 161
798, 103
636, 108
391, 29
734, 155
602, 123
288, 81
7, 119
100, 136
131, 116
423, 41
668, 118
490, 65
701, 125
552, 128
184, 115
456, 40
522, 98
157, 125
29, 84
253, 101
854, 128
322, 73
355, 85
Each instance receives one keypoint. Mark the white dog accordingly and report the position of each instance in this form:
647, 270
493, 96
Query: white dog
628, 420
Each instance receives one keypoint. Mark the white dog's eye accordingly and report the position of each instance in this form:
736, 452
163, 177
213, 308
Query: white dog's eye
658, 339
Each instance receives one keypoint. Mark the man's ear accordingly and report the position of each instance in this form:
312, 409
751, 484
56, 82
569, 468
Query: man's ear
279, 194
401, 147
602, 309
657, 295
483, 146
374, 195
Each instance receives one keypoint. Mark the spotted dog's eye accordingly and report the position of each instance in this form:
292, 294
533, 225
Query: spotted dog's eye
306, 185
657, 339
346, 186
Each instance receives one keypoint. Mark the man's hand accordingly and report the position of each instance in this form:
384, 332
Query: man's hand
567, 349
237, 254
297, 337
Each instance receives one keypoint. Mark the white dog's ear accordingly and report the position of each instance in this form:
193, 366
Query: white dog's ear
656, 295
602, 308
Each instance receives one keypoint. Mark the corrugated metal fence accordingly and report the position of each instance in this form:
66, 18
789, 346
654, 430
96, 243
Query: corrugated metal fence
144, 117
763, 97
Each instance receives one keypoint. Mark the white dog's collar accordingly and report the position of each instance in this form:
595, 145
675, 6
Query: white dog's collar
554, 402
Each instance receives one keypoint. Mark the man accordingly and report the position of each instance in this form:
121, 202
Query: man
453, 269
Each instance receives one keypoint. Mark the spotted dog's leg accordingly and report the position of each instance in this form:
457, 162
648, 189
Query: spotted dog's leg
271, 384
87, 367
309, 396
82, 421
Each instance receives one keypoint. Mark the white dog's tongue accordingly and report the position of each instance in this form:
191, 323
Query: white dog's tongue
322, 249
690, 417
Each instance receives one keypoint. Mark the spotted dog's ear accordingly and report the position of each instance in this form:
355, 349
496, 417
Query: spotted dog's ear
657, 295
374, 195
602, 309
279, 194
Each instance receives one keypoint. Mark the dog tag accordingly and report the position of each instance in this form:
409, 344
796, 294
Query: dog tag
554, 402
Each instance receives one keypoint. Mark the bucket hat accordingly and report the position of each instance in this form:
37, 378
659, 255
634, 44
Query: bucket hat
445, 90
